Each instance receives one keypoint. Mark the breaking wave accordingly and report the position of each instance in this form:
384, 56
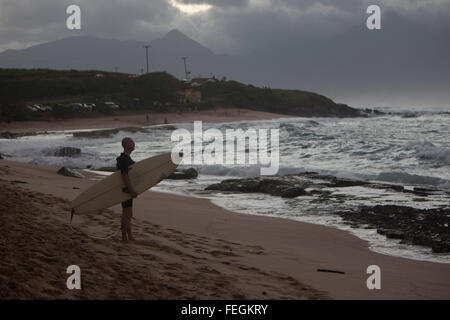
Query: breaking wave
426, 150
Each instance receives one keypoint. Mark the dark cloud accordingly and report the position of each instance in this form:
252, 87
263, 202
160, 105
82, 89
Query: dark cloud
230, 26
30, 21
218, 3
347, 5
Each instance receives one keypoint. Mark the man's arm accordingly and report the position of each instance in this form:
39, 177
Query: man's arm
127, 182
122, 165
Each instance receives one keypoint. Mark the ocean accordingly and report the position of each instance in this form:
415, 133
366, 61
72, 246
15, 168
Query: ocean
410, 147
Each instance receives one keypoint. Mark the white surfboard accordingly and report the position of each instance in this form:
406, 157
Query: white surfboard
108, 192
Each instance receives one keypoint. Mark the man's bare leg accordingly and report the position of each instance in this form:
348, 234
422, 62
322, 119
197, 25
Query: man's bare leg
130, 236
126, 217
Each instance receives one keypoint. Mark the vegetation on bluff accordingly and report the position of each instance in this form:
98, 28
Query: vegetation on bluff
152, 92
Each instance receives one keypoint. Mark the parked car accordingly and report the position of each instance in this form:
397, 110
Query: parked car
32, 108
76, 106
38, 107
112, 105
87, 106
46, 108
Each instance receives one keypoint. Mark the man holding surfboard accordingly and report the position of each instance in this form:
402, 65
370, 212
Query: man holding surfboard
124, 162
125, 184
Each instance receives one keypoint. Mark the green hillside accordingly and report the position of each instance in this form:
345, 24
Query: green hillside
153, 92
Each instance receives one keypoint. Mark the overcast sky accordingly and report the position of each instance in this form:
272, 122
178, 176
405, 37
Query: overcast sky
317, 45
224, 26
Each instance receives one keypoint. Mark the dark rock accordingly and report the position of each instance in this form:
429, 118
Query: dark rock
418, 193
293, 192
239, 185
274, 186
394, 187
15, 135
334, 182
67, 152
419, 189
1, 158
443, 247
8, 135
425, 227
190, 173
341, 182
426, 191
70, 173
391, 234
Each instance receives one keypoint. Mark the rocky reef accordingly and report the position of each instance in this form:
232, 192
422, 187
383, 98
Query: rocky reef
190, 173
68, 172
418, 226
425, 227
286, 188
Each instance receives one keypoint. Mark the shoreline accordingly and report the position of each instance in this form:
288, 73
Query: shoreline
121, 121
252, 246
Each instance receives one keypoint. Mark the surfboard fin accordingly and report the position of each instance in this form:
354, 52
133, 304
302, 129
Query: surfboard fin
71, 215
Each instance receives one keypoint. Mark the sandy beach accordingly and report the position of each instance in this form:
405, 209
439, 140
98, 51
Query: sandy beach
187, 248
120, 121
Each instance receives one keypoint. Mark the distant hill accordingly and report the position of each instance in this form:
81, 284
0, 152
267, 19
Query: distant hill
92, 53
156, 91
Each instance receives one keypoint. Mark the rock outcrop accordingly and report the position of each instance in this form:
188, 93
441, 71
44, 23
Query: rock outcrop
67, 152
273, 186
70, 173
190, 173
425, 227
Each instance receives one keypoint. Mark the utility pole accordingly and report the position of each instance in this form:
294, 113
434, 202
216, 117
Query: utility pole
146, 53
185, 68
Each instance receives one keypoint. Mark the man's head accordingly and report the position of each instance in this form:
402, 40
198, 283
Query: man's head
128, 144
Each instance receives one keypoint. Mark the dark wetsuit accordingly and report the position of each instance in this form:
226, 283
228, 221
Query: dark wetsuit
124, 162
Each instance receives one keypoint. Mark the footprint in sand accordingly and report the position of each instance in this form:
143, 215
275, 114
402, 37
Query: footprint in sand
219, 254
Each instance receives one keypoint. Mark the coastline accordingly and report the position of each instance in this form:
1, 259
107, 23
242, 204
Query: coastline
199, 243
121, 121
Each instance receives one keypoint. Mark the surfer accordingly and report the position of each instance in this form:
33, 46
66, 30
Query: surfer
124, 162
